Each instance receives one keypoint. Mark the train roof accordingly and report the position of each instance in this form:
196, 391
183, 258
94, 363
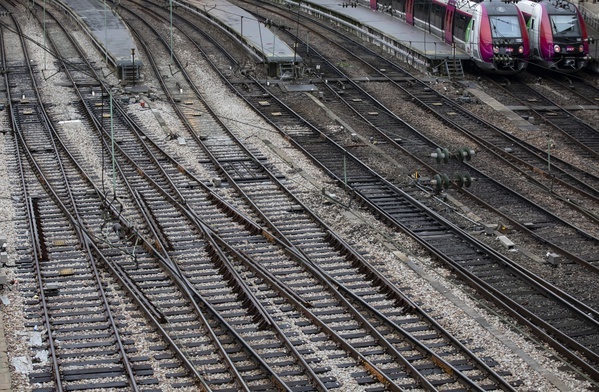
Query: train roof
500, 8
552, 6
497, 7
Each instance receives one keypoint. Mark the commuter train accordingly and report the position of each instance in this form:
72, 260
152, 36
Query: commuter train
557, 34
493, 33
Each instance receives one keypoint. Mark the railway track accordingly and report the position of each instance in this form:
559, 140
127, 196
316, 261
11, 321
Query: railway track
198, 325
189, 242
421, 222
79, 309
517, 153
400, 209
577, 132
585, 92
526, 215
300, 277
318, 252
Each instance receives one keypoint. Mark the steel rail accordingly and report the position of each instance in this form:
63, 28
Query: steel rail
74, 216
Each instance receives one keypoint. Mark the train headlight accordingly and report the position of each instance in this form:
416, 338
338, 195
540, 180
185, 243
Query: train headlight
496, 49
521, 49
557, 49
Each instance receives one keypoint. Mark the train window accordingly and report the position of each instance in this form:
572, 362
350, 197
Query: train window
460, 25
565, 25
437, 19
505, 26
422, 10
399, 5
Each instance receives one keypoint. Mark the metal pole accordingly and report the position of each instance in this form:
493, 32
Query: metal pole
133, 64
105, 34
344, 171
274, 39
242, 27
549, 141
549, 155
299, 7
112, 142
44, 34
262, 48
429, 22
171, 11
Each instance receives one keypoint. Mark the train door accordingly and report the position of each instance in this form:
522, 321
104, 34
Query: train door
449, 11
410, 12
474, 36
533, 26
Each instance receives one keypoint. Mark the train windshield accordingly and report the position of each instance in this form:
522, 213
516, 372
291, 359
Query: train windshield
505, 26
565, 25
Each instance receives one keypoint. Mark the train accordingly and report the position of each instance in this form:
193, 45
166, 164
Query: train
493, 33
503, 36
557, 34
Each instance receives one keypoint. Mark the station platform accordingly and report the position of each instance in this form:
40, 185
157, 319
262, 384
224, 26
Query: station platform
414, 45
109, 33
261, 40
590, 12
